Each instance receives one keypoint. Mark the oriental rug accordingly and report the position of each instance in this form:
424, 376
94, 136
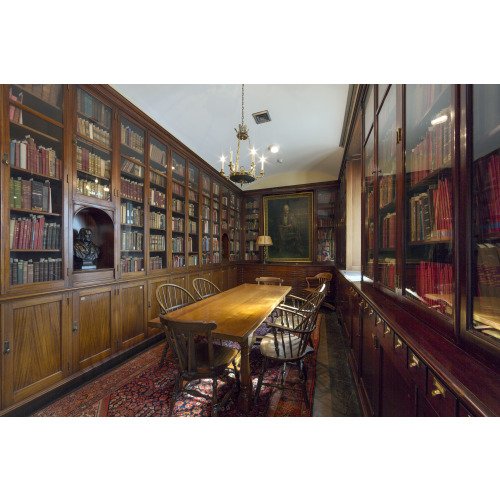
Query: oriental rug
139, 388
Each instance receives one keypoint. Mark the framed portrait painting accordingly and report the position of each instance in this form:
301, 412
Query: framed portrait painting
288, 219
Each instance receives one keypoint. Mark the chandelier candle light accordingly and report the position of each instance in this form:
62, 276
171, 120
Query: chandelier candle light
237, 172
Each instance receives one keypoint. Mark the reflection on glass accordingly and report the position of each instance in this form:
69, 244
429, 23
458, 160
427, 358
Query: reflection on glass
486, 210
369, 207
428, 185
369, 113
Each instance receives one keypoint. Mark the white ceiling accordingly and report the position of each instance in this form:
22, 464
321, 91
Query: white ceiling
306, 122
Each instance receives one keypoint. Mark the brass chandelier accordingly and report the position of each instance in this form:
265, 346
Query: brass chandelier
237, 172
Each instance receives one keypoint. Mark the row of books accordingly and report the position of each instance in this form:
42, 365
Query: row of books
488, 270
216, 189
178, 174
215, 216
177, 224
206, 258
30, 195
27, 155
192, 210
93, 108
34, 233
178, 205
192, 244
205, 184
325, 222
129, 167
193, 260
157, 179
131, 240
205, 244
215, 244
158, 155
216, 229
93, 189
157, 221
252, 256
423, 97
224, 199
177, 189
389, 231
387, 270
487, 173
29, 271
234, 246
205, 226
131, 264
216, 258
433, 151
155, 262
157, 242
431, 213
46, 92
324, 234
193, 196
251, 246
387, 189
387, 147
324, 198
224, 225
370, 203
193, 177
92, 131
206, 201
371, 236
252, 225
92, 163
157, 198
434, 285
132, 139
178, 244
205, 212
192, 226
131, 215
132, 189
178, 261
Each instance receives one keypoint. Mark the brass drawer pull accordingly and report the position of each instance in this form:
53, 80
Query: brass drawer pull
439, 390
398, 344
371, 312
415, 362
378, 320
387, 330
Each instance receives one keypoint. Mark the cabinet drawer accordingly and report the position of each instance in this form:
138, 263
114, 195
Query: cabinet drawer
417, 370
440, 397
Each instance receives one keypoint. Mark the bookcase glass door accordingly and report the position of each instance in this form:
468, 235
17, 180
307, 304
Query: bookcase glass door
93, 147
206, 233
251, 228
36, 189
157, 204
428, 263
325, 226
386, 213
131, 197
369, 189
194, 215
178, 210
485, 229
216, 222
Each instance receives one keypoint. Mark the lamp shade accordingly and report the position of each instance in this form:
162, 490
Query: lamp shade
264, 241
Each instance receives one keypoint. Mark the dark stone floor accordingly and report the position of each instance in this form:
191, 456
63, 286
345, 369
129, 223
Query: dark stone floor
334, 391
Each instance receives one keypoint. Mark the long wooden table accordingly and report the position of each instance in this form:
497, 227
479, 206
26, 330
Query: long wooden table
238, 312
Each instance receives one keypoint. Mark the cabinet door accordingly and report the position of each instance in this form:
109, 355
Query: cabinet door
356, 333
36, 345
217, 278
132, 309
232, 277
93, 326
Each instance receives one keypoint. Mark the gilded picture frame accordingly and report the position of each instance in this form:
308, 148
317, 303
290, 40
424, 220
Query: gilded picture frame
288, 219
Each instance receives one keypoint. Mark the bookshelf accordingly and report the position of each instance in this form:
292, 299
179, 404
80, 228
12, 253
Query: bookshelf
325, 233
36, 192
206, 215
178, 211
386, 179
132, 197
157, 204
216, 222
428, 197
252, 214
369, 192
193, 221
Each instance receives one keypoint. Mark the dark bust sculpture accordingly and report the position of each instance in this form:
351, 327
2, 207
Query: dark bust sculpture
85, 250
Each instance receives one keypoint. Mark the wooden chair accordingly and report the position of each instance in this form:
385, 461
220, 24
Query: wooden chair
198, 360
314, 281
171, 297
293, 302
267, 280
289, 342
204, 288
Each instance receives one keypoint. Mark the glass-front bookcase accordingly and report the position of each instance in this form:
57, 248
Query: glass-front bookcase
369, 192
178, 210
93, 148
132, 168
194, 215
216, 222
251, 228
386, 177
36, 222
485, 227
428, 265
206, 233
325, 226
157, 204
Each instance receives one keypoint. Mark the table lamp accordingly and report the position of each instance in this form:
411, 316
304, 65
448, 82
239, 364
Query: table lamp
264, 241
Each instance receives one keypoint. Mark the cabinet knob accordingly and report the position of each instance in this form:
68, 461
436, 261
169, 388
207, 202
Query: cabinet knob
398, 344
439, 390
414, 362
387, 330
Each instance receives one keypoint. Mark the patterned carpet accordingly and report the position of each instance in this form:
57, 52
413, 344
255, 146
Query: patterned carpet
139, 388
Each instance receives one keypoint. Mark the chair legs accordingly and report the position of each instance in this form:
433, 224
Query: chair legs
175, 395
303, 382
164, 355
214, 397
261, 377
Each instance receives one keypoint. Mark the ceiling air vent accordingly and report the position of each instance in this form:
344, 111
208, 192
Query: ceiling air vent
262, 117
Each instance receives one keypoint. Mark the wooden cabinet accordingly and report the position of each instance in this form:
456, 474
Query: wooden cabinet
132, 313
36, 345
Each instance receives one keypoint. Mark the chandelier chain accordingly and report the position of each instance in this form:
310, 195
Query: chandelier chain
242, 104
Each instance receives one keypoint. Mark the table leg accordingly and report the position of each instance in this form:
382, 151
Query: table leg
245, 398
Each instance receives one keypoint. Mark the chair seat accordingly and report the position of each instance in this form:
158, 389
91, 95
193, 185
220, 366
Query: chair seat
223, 356
267, 348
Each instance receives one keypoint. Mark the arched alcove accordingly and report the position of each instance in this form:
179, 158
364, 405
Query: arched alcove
102, 228
225, 246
